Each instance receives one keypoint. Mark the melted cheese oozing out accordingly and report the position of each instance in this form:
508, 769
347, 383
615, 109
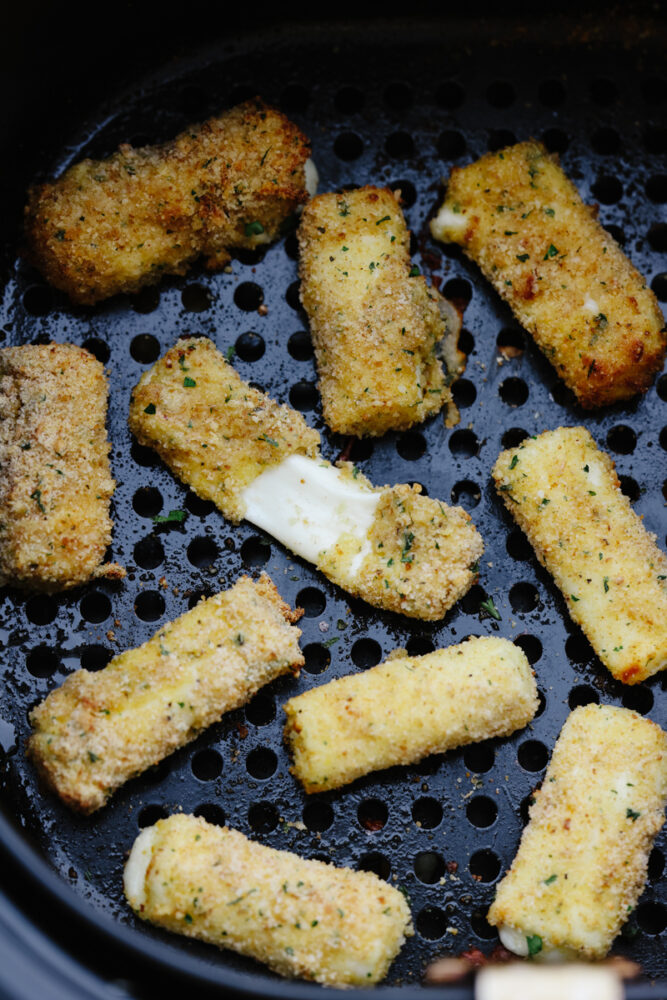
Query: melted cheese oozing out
312, 177
515, 940
447, 221
308, 504
134, 876
576, 982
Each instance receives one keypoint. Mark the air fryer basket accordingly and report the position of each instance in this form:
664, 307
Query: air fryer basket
393, 104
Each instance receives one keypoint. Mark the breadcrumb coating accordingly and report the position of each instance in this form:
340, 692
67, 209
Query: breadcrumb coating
100, 729
423, 555
376, 326
517, 215
302, 918
581, 863
218, 435
115, 225
214, 431
55, 482
565, 494
407, 708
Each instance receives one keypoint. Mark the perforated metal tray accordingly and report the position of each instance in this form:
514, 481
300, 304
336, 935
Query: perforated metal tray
400, 105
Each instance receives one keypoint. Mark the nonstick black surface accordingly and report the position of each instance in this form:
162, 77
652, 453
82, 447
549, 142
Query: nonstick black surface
397, 105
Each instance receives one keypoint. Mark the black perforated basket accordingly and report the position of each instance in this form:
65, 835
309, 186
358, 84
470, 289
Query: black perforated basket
395, 103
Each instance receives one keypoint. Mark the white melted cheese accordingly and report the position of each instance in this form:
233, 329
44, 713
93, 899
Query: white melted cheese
515, 940
308, 505
134, 876
311, 176
591, 305
530, 982
447, 222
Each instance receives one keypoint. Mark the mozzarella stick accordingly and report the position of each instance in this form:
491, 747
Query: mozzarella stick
517, 215
235, 446
55, 480
407, 708
565, 494
100, 729
115, 225
375, 326
581, 863
304, 919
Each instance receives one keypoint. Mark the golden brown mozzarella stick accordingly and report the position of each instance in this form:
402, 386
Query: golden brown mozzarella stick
408, 708
115, 225
581, 863
100, 729
517, 215
55, 481
565, 494
302, 918
376, 327
234, 445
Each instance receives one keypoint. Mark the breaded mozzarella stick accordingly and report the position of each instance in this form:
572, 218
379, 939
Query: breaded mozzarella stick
301, 918
115, 225
517, 215
234, 445
55, 480
375, 326
565, 494
408, 708
100, 729
581, 863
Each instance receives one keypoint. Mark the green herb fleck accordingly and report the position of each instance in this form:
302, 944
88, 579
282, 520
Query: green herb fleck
150, 409
550, 880
37, 497
631, 814
514, 462
523, 257
534, 942
551, 252
490, 608
173, 517
253, 228
385, 218
414, 271
189, 383
408, 539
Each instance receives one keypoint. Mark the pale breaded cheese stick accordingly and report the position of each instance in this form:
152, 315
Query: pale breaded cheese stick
234, 445
55, 480
213, 430
115, 225
565, 494
376, 327
581, 863
517, 215
100, 729
407, 708
304, 919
